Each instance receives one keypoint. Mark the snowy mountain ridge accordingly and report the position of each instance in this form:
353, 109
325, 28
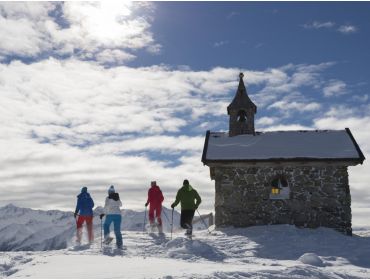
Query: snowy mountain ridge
25, 229
34, 230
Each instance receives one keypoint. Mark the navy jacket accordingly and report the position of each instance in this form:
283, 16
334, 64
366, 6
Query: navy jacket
85, 204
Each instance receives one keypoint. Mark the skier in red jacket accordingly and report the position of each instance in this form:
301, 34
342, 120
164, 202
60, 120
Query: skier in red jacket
155, 199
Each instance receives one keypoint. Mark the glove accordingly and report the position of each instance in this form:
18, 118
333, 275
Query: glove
101, 216
75, 214
173, 205
146, 204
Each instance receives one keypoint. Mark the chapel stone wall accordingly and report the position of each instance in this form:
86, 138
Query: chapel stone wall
319, 196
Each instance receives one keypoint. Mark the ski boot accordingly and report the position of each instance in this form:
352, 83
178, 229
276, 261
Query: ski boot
189, 232
160, 232
160, 229
152, 227
108, 240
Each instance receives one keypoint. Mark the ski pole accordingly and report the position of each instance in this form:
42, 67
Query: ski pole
144, 219
78, 234
101, 233
172, 222
76, 218
203, 221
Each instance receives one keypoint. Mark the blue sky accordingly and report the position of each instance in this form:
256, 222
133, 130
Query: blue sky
122, 93
260, 34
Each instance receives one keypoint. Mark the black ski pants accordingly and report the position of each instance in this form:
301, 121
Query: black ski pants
186, 219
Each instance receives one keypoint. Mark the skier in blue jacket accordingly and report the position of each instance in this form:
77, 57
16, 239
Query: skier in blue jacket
84, 211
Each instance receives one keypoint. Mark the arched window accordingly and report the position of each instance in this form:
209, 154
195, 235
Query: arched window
279, 188
242, 116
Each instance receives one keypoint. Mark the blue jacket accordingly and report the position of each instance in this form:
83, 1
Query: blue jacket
85, 204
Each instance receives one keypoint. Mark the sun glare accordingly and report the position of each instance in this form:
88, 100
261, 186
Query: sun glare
106, 20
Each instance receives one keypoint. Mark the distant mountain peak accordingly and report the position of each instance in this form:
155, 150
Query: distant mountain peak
10, 206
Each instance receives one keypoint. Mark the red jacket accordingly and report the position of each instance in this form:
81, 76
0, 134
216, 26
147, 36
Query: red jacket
155, 196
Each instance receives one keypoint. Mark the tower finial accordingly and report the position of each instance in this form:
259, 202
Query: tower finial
241, 75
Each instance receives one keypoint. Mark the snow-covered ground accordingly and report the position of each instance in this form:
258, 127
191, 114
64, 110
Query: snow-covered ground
279, 251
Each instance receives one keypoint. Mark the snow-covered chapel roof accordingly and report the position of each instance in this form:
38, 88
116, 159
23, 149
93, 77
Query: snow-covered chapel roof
316, 145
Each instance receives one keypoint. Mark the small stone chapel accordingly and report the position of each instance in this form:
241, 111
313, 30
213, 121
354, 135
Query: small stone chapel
279, 177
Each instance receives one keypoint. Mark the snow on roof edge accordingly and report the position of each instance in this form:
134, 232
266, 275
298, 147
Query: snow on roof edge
358, 159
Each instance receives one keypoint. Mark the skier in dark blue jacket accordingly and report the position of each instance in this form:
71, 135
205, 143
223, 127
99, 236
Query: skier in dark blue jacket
84, 211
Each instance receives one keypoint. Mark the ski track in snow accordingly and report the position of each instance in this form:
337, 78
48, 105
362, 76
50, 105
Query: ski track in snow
279, 251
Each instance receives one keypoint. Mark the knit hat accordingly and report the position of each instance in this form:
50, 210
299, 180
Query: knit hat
84, 189
186, 182
111, 190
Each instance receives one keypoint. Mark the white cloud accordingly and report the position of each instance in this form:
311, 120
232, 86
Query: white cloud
71, 123
154, 49
259, 45
232, 14
41, 169
106, 24
335, 88
298, 106
347, 29
19, 10
282, 127
342, 111
220, 44
20, 33
114, 56
319, 24
266, 121
288, 80
22, 28
107, 30
361, 98
157, 143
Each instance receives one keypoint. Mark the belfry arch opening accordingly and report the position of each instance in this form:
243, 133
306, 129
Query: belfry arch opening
242, 116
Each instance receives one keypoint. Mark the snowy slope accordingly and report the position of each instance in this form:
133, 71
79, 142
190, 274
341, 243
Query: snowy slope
279, 251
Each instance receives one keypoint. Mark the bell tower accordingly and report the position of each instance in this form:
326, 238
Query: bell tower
241, 111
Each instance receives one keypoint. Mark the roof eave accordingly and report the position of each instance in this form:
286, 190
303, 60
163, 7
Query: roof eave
297, 159
205, 147
360, 154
